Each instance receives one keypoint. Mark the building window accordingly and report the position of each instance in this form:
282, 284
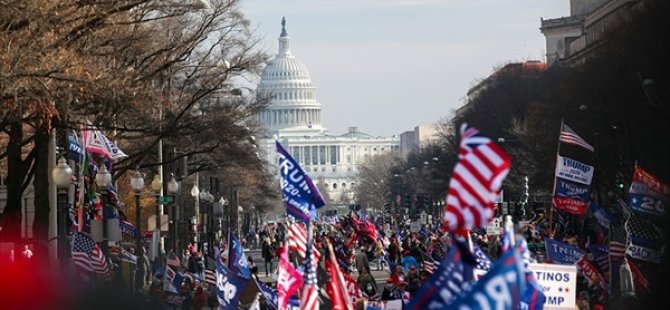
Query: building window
334, 185
344, 185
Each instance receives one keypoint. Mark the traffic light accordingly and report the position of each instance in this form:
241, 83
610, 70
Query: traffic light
619, 182
406, 202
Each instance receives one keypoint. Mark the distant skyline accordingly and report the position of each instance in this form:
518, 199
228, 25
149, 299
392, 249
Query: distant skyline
386, 66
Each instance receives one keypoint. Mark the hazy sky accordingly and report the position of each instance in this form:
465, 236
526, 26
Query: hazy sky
389, 65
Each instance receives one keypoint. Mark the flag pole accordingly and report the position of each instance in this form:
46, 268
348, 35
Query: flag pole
551, 209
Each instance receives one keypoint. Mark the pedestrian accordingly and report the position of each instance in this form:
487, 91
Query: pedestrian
362, 262
27, 253
199, 299
390, 292
408, 261
365, 279
268, 254
413, 280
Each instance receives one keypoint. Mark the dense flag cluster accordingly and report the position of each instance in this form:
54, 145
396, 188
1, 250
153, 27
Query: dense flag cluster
309, 299
297, 240
475, 182
573, 175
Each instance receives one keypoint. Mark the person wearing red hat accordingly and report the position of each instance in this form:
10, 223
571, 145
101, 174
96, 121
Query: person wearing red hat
391, 292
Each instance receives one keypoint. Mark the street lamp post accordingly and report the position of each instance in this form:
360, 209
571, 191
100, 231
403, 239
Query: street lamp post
195, 193
173, 189
204, 201
62, 177
103, 179
137, 183
157, 187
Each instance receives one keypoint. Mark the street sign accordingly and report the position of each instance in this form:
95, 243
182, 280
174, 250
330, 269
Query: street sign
163, 200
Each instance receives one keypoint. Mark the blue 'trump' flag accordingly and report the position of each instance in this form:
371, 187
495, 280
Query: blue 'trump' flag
300, 194
562, 253
229, 286
500, 288
445, 283
236, 260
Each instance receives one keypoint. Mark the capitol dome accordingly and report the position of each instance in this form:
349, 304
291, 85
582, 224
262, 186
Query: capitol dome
293, 105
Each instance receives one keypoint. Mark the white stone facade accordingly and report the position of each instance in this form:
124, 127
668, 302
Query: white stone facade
294, 118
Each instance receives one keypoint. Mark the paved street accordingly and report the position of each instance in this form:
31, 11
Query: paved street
380, 276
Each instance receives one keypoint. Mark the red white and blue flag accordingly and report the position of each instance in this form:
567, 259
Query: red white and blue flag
87, 255
297, 240
475, 182
309, 299
570, 137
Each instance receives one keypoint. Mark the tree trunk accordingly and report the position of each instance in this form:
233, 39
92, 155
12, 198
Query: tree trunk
41, 187
11, 221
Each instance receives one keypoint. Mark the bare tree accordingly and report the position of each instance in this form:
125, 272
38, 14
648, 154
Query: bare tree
141, 70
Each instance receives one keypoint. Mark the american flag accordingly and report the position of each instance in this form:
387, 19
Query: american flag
210, 277
297, 241
483, 261
475, 182
87, 255
128, 229
618, 242
99, 262
570, 137
601, 255
82, 247
429, 264
173, 260
310, 292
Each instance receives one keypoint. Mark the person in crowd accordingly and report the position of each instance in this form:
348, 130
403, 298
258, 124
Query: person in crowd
192, 264
495, 248
393, 253
365, 278
408, 260
156, 293
362, 262
27, 253
199, 299
185, 292
390, 292
268, 253
398, 276
413, 280
252, 266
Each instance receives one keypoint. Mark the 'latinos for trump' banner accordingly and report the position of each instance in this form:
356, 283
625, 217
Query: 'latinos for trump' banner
301, 196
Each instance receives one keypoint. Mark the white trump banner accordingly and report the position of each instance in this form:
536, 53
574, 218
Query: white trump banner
558, 283
573, 170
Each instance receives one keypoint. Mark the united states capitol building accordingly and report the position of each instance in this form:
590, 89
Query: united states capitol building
294, 118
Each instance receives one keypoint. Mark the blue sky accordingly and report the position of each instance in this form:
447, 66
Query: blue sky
389, 65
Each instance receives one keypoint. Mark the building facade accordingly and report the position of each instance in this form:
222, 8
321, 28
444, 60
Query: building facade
294, 118
570, 39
